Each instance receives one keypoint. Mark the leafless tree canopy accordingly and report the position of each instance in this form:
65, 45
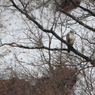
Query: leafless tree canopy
34, 47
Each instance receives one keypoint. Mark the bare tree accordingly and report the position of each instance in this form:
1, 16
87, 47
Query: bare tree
37, 30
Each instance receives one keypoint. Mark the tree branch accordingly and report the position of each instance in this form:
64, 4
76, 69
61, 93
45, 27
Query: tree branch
85, 9
27, 47
52, 49
80, 22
